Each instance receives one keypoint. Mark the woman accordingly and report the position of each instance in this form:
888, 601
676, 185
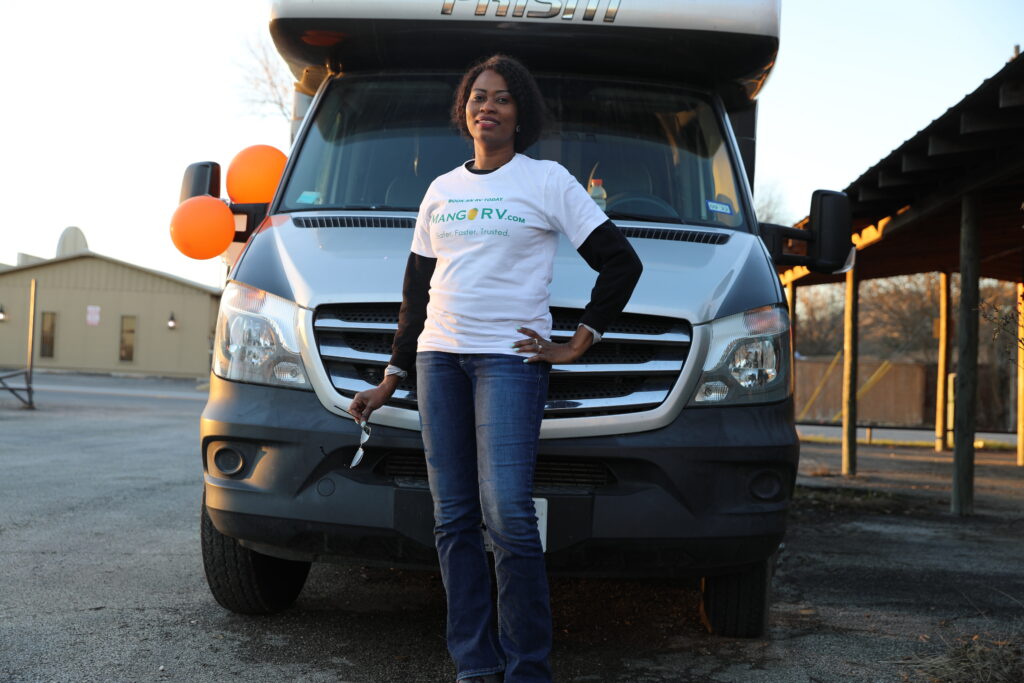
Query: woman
475, 320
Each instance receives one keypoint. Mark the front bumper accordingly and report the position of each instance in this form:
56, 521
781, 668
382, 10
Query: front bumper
709, 491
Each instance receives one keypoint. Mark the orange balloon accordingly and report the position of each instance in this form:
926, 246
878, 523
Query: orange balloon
202, 227
254, 174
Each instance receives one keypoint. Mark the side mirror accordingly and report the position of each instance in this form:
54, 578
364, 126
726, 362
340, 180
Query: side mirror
201, 178
830, 223
827, 237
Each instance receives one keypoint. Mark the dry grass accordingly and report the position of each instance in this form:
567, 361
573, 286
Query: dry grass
978, 658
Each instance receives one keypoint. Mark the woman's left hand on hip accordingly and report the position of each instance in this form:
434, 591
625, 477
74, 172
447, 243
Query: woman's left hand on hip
540, 349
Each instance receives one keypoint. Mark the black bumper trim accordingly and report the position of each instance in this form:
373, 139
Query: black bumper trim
680, 496
311, 541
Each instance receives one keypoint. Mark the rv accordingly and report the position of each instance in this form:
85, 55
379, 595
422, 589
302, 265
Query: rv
669, 449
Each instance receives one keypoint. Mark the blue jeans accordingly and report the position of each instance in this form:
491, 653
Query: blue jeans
481, 416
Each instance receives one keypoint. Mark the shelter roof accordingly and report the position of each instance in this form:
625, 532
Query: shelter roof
906, 208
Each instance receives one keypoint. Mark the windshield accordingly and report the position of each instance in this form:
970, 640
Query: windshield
377, 143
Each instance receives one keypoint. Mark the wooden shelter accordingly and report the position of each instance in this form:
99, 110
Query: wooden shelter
947, 200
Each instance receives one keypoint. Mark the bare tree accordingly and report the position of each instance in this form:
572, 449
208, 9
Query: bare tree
770, 205
267, 83
820, 316
896, 317
999, 307
896, 323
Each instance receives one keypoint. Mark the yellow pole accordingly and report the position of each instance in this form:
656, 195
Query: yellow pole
950, 408
791, 301
31, 342
1020, 374
943, 369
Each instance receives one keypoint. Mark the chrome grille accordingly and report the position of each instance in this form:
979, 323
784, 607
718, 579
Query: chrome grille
634, 367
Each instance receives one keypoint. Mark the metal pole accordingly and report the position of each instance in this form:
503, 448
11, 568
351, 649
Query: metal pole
850, 374
943, 369
965, 420
1020, 374
31, 339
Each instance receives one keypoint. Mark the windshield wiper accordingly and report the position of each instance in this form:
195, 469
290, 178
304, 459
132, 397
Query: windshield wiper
642, 217
374, 207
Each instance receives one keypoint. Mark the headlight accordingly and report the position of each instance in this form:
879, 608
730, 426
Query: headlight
256, 340
748, 359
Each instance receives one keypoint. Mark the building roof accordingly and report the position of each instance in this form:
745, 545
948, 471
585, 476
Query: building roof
906, 207
214, 291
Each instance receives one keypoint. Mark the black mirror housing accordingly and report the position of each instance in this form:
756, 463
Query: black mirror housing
830, 223
827, 235
254, 215
201, 178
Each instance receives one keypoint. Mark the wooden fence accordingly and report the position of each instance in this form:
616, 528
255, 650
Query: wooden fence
894, 394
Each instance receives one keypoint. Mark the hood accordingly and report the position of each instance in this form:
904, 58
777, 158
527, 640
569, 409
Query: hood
695, 281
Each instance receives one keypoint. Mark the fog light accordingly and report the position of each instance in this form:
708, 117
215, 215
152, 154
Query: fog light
710, 392
766, 485
228, 461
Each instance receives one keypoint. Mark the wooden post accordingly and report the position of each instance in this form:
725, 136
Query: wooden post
1020, 374
965, 419
850, 373
943, 369
791, 300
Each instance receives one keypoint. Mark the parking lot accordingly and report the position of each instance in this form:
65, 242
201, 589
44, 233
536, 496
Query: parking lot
102, 576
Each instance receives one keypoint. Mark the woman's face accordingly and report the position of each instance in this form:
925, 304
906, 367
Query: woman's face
491, 111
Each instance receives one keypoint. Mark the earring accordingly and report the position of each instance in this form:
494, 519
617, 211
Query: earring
517, 129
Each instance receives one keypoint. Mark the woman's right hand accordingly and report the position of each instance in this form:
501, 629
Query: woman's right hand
365, 402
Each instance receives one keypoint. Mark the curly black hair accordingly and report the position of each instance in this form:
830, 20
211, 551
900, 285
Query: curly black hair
530, 113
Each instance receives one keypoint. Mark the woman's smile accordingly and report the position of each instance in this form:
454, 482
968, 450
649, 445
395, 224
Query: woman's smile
491, 112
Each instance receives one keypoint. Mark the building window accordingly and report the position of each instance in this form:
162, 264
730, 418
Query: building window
127, 337
46, 339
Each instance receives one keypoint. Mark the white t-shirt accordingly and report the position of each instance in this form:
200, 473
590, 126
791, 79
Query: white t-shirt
494, 237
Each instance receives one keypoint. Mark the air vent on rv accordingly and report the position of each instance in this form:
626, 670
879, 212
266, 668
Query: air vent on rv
354, 222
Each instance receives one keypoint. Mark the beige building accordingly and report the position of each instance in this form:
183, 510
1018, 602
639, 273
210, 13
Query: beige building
98, 314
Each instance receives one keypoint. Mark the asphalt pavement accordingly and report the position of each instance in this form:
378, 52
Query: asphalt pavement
102, 577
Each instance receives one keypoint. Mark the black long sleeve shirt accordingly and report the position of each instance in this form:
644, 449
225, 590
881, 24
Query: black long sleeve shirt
606, 250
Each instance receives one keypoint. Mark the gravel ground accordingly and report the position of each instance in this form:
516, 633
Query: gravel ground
102, 578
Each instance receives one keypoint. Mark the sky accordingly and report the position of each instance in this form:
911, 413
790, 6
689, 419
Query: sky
107, 103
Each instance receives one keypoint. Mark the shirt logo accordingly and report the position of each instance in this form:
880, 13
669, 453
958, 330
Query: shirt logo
484, 213
553, 8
